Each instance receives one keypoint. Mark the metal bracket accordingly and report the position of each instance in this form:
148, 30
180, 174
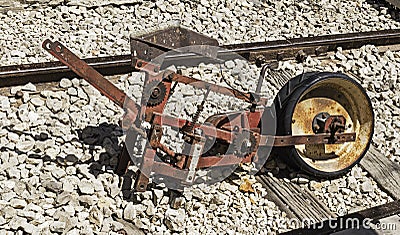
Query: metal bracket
149, 46
325, 138
196, 152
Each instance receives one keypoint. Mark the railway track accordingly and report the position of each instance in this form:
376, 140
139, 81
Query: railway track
289, 196
259, 52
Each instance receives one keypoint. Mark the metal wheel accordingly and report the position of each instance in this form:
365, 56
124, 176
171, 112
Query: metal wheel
317, 96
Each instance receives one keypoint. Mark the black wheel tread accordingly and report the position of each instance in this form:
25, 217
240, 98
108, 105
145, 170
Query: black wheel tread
285, 99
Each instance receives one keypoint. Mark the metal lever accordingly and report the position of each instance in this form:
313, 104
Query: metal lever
88, 73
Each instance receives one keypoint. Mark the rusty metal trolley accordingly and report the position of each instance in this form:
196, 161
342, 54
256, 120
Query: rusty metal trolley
324, 121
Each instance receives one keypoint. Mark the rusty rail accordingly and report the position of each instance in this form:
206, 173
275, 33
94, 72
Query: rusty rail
271, 50
54, 71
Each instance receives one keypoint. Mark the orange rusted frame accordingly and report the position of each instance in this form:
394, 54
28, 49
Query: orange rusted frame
324, 138
224, 160
172, 76
161, 119
168, 170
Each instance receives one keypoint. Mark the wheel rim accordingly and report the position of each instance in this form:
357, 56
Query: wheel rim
336, 96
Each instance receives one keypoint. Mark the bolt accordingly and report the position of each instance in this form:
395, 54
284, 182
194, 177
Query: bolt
19, 94
155, 93
279, 56
301, 56
58, 49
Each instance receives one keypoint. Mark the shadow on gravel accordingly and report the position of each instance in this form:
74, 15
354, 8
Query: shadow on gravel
106, 136
391, 10
281, 169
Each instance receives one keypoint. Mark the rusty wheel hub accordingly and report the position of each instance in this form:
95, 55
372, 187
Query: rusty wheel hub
329, 106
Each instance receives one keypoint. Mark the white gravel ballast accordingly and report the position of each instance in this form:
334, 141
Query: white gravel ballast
59, 144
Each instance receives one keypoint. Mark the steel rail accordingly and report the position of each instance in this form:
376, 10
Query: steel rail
263, 51
54, 71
